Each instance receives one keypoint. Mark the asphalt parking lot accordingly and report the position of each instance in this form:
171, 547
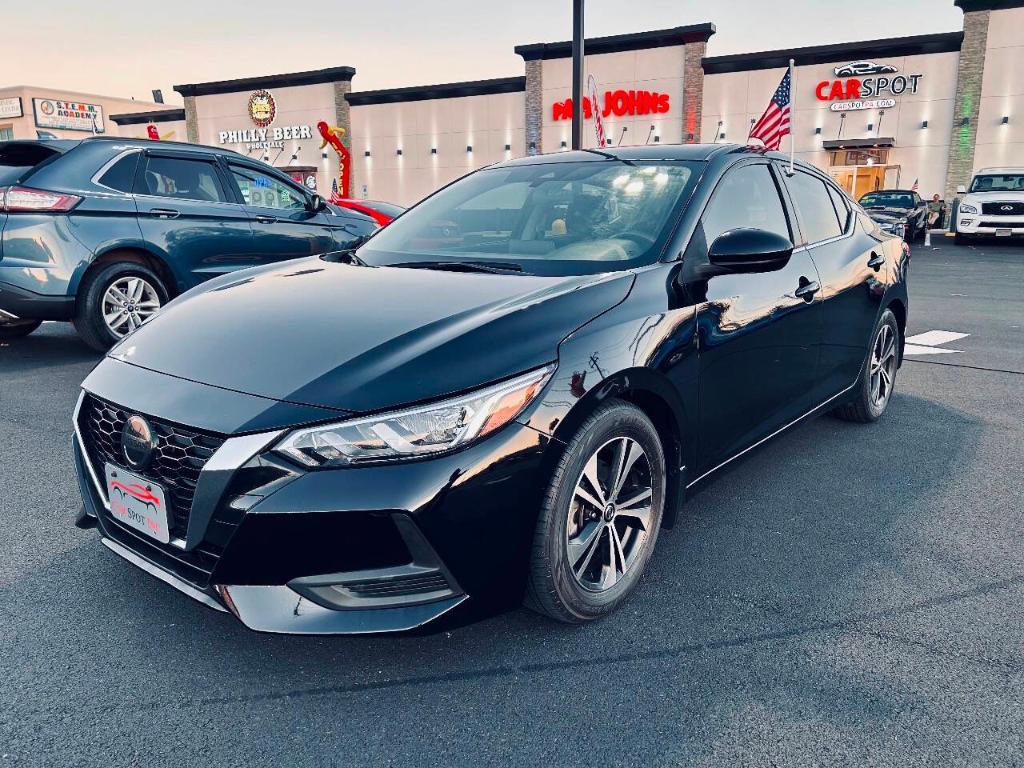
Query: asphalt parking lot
847, 595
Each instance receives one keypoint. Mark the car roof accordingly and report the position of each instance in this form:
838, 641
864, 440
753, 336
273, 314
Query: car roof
889, 192
696, 152
133, 142
60, 145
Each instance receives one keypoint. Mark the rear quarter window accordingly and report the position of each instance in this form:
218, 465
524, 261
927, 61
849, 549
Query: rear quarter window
121, 175
18, 160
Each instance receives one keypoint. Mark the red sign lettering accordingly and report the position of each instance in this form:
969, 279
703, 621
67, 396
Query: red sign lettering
619, 103
835, 90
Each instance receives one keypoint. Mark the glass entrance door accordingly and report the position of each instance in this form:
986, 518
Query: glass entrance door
858, 180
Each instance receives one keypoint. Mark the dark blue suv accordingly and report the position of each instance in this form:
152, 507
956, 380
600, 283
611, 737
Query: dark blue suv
103, 232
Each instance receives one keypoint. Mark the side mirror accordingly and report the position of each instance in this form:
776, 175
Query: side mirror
750, 250
317, 204
961, 190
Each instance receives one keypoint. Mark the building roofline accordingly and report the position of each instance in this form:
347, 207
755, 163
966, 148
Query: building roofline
884, 142
942, 42
153, 116
439, 91
8, 90
634, 41
988, 5
309, 77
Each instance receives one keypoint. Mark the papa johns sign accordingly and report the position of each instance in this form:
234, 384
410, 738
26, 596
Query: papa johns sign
619, 103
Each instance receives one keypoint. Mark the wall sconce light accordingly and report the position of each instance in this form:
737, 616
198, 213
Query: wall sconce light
1006, 120
508, 147
721, 135
323, 155
433, 150
533, 145
657, 138
689, 137
817, 131
469, 147
871, 127
608, 142
366, 153
965, 121
564, 144
924, 124
398, 152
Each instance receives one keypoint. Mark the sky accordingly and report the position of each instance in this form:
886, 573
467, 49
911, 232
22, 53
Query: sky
127, 48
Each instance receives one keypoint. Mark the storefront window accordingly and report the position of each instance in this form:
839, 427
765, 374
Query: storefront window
860, 157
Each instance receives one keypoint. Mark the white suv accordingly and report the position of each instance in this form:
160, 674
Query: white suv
994, 205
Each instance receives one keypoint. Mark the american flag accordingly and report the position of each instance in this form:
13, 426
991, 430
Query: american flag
774, 123
914, 188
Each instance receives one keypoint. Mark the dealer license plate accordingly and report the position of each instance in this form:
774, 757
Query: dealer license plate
1004, 232
137, 502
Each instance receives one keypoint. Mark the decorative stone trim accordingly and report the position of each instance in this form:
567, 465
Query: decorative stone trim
534, 107
968, 101
191, 120
693, 91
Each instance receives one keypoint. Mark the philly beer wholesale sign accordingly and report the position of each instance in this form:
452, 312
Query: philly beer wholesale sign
865, 85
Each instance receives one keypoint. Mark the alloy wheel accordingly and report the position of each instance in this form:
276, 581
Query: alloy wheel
883, 366
610, 515
128, 303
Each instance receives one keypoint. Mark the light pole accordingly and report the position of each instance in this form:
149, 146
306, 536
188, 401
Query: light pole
577, 74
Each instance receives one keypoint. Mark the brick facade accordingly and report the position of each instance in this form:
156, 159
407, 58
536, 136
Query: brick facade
693, 91
343, 118
534, 107
968, 101
191, 120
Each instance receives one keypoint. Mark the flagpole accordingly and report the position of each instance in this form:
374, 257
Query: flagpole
792, 109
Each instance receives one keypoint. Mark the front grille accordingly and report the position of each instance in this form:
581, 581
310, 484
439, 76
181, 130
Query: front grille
412, 584
180, 456
997, 224
997, 209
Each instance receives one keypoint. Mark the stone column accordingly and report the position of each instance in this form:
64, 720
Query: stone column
968, 101
191, 120
534, 107
693, 90
343, 119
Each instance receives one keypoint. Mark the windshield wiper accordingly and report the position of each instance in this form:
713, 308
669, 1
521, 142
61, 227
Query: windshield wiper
495, 267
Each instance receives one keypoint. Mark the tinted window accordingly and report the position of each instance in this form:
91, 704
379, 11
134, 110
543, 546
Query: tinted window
183, 179
16, 160
550, 218
387, 209
262, 190
841, 204
888, 200
121, 175
746, 197
998, 182
818, 218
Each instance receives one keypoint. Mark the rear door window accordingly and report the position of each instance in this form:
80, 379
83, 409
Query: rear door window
818, 218
183, 179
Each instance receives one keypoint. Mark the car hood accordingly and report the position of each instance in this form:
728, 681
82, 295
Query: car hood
976, 198
365, 338
888, 214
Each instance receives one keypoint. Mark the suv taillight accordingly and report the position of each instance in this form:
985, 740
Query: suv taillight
24, 199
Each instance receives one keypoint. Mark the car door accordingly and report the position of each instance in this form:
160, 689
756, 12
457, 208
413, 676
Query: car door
284, 224
188, 216
758, 334
849, 261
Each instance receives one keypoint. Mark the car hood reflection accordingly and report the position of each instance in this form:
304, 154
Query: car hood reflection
363, 339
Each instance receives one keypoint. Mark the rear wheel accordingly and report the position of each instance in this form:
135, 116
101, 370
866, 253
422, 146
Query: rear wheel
875, 387
600, 518
115, 300
16, 329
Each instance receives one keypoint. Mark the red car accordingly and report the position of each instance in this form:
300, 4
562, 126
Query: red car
382, 213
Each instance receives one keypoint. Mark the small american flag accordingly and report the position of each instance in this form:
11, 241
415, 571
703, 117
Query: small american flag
774, 123
914, 188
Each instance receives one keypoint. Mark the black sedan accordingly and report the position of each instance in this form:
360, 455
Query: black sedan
898, 211
368, 440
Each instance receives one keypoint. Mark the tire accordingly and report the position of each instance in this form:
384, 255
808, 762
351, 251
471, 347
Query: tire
568, 580
867, 407
17, 329
92, 294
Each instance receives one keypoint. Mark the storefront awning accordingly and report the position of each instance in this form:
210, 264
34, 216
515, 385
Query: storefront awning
879, 143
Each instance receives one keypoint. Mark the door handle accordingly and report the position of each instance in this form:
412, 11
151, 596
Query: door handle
807, 289
165, 213
266, 219
876, 261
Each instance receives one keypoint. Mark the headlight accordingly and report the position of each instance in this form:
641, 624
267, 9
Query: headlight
422, 431
965, 208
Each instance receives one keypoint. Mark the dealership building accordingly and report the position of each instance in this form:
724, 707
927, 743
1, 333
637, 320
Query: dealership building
926, 109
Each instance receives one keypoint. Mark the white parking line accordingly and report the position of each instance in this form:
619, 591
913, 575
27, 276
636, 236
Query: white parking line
927, 343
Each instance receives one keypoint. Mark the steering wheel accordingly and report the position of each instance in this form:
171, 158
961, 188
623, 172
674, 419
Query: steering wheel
642, 239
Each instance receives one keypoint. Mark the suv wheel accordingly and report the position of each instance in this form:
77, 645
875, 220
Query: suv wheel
115, 300
600, 517
877, 380
16, 329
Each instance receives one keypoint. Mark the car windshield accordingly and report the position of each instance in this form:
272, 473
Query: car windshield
998, 182
887, 200
557, 218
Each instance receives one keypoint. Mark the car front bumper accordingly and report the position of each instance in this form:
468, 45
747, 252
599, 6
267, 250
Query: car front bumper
988, 225
379, 548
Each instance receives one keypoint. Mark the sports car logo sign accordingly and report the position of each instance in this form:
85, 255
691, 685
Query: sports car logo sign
262, 108
856, 68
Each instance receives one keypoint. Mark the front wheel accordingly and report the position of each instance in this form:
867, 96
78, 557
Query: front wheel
115, 300
878, 378
600, 518
16, 329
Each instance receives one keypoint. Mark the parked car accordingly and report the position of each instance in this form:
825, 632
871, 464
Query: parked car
518, 410
381, 212
898, 211
993, 206
104, 232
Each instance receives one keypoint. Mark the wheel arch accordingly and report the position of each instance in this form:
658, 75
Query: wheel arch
656, 397
133, 255
899, 309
